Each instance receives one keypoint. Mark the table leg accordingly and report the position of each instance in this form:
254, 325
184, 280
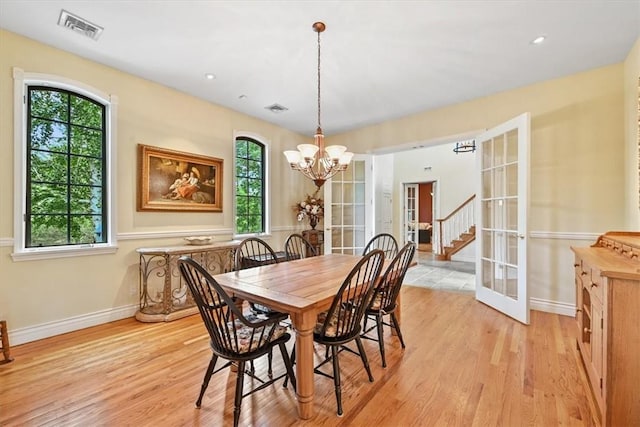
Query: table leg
303, 324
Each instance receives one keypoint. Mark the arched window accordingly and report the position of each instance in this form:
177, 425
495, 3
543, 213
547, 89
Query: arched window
250, 186
65, 168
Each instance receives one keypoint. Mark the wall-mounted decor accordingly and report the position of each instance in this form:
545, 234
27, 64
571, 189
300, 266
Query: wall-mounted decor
171, 180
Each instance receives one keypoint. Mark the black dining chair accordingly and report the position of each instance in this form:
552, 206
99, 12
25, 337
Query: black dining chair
297, 247
255, 252
384, 301
342, 323
385, 242
234, 337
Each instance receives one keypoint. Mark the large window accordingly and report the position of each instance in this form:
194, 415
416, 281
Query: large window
65, 166
64, 149
250, 186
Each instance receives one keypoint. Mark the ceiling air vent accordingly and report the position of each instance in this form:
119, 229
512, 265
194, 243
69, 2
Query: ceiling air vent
79, 25
276, 108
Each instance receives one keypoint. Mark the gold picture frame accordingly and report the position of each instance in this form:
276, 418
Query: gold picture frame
170, 180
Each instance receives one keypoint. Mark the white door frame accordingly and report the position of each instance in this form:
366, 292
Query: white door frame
501, 217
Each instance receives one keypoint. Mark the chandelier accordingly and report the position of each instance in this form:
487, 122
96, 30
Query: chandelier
315, 161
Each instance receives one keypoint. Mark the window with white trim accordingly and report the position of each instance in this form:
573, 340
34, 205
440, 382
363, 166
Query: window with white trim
250, 186
64, 143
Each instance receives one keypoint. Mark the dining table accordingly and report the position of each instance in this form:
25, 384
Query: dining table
302, 288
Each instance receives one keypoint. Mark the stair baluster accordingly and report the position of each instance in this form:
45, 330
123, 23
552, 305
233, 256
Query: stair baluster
456, 230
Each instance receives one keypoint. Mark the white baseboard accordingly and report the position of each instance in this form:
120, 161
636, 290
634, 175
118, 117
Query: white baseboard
552, 307
46, 330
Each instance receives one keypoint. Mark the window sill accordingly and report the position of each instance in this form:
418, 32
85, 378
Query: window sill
66, 252
262, 236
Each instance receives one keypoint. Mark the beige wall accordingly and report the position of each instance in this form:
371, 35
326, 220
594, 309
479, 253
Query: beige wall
632, 134
577, 164
35, 293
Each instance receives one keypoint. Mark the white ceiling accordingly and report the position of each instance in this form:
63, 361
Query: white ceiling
380, 59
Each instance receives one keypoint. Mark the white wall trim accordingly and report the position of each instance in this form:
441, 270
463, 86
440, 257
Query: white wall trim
561, 235
143, 235
555, 235
46, 330
555, 307
140, 235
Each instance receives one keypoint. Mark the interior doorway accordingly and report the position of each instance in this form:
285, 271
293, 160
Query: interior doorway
425, 216
419, 213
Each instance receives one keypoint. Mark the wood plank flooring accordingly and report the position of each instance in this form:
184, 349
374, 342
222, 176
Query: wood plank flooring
465, 365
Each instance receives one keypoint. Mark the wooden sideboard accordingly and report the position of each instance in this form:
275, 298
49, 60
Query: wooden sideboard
607, 279
163, 294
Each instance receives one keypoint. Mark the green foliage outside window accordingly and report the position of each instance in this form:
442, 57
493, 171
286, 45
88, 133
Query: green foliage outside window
65, 169
249, 168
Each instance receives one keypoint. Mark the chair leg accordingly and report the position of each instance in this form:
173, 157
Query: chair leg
381, 339
207, 377
293, 361
238, 399
363, 356
4, 343
336, 378
397, 327
364, 323
270, 370
288, 365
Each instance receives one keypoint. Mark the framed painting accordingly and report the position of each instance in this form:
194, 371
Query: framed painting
171, 180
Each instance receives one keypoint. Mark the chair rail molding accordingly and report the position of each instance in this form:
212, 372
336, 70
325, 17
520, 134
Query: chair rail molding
563, 235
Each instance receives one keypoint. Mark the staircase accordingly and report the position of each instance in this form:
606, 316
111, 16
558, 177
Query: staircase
455, 231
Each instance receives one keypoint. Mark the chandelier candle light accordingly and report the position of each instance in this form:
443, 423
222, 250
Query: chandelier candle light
315, 161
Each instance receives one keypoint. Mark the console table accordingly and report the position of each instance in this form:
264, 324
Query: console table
163, 294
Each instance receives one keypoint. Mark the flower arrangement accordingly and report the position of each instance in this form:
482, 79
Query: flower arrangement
312, 208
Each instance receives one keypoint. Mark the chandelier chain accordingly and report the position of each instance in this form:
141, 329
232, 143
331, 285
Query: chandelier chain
319, 124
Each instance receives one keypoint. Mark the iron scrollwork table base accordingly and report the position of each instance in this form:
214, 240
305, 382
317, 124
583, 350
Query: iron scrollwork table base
163, 295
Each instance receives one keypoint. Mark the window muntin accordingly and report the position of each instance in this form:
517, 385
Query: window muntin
250, 186
65, 169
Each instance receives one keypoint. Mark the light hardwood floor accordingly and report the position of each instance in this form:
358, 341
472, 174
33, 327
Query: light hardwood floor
465, 365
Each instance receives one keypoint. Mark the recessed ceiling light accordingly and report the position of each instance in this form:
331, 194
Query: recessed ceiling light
538, 40
210, 76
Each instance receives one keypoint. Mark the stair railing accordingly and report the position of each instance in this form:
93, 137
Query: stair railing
454, 225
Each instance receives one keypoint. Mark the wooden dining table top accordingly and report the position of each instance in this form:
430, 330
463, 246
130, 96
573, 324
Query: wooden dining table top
291, 286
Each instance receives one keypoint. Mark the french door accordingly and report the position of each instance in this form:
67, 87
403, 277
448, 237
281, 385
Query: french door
501, 231
348, 195
410, 217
